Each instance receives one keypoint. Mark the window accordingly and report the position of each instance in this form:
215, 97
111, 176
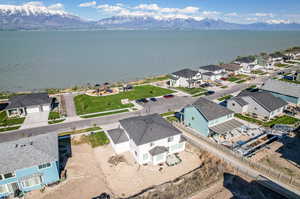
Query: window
1, 178
145, 156
43, 166
3, 189
170, 139
8, 175
31, 181
193, 118
233, 104
152, 144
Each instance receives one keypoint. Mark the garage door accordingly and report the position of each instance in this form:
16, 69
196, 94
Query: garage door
33, 109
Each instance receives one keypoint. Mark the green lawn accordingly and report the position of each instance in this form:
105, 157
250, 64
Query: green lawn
191, 91
167, 113
199, 94
258, 72
285, 119
54, 115
5, 121
56, 121
98, 139
281, 65
233, 79
103, 114
241, 81
9, 128
80, 131
88, 104
226, 97
172, 119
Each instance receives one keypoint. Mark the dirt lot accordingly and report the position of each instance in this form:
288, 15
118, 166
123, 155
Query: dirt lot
286, 158
85, 178
128, 178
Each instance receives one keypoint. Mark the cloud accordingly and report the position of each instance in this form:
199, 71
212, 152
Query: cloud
155, 7
88, 4
111, 8
252, 19
264, 14
278, 21
232, 14
57, 6
34, 3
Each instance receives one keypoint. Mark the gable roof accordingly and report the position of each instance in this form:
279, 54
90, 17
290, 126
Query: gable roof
265, 99
118, 136
210, 110
149, 128
245, 59
231, 67
211, 68
276, 55
28, 100
281, 87
28, 152
239, 100
187, 73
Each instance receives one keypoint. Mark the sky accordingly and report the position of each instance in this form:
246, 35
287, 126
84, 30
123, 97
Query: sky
237, 11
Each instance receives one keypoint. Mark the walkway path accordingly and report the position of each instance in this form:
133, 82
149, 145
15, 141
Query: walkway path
70, 106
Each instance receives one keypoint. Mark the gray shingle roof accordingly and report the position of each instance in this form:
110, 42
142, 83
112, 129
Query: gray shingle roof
211, 68
158, 150
282, 87
240, 101
245, 59
265, 99
208, 74
28, 100
211, 110
118, 136
231, 67
186, 73
28, 151
149, 128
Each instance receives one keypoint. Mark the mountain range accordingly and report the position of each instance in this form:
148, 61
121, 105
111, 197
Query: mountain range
33, 18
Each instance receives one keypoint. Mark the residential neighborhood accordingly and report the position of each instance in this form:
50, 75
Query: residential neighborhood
132, 138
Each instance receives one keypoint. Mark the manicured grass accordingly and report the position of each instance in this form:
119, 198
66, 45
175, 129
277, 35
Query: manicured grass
167, 113
290, 81
56, 121
103, 114
89, 104
9, 128
191, 91
241, 76
5, 121
199, 94
172, 119
241, 81
281, 65
54, 115
224, 87
80, 131
283, 120
248, 119
97, 139
226, 97
258, 72
233, 79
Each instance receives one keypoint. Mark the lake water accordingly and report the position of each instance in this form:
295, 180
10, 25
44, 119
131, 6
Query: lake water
51, 59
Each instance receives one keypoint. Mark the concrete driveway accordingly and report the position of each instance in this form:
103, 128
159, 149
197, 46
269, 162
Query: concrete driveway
35, 120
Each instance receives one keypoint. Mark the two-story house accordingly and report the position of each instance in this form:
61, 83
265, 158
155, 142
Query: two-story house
150, 139
28, 162
185, 78
248, 63
289, 92
232, 69
212, 72
209, 118
261, 103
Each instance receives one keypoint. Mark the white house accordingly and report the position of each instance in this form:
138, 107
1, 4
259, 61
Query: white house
185, 78
263, 104
212, 72
21, 105
248, 63
150, 139
232, 69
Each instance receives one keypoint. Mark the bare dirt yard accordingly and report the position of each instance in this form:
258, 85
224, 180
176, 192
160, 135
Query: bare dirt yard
126, 177
85, 178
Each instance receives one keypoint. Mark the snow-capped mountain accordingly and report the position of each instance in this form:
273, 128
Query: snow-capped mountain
37, 17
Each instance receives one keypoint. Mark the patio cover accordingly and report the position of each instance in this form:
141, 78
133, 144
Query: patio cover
226, 127
158, 150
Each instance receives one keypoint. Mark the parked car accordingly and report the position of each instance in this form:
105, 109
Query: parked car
289, 112
144, 100
153, 99
210, 92
205, 85
168, 96
102, 196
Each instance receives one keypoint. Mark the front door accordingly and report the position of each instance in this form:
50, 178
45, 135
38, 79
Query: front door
13, 187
